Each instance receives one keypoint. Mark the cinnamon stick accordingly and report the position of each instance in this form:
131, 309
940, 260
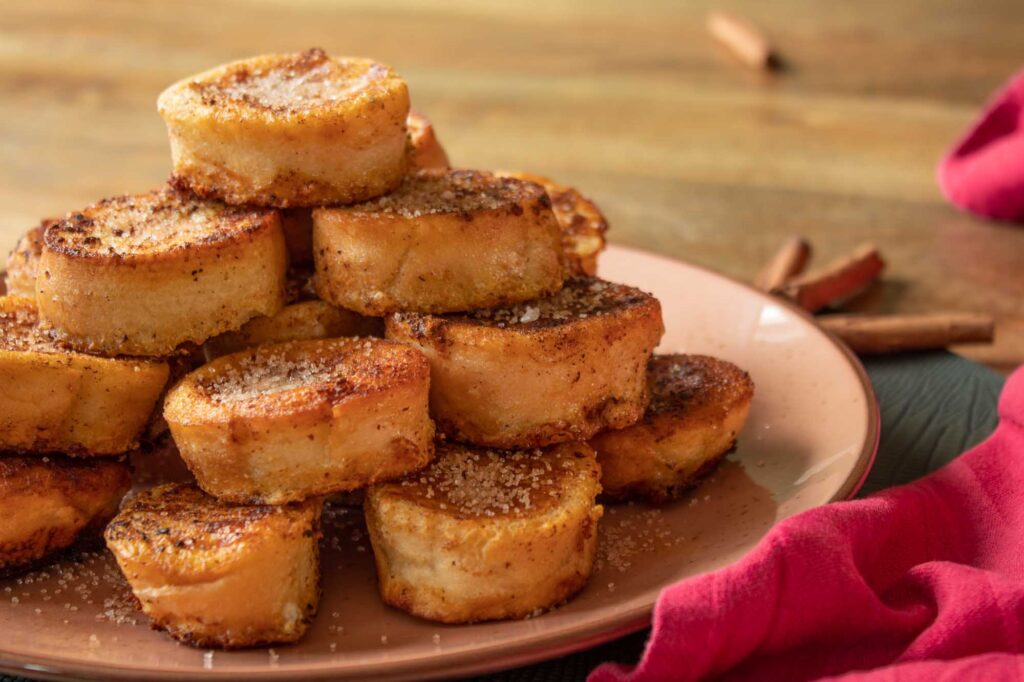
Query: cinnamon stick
889, 333
743, 39
840, 280
787, 263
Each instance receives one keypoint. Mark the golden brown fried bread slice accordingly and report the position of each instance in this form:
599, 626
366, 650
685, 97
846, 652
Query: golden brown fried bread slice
141, 275
48, 503
484, 534
444, 241
287, 130
23, 262
698, 406
583, 224
213, 574
290, 421
54, 400
546, 371
427, 151
295, 322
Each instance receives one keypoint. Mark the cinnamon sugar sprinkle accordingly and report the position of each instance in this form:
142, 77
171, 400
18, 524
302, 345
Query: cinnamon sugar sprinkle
293, 83
338, 366
461, 192
630, 534
80, 582
580, 298
260, 375
479, 482
681, 382
150, 223
20, 331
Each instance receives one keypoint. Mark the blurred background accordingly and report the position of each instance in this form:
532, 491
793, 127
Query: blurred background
687, 151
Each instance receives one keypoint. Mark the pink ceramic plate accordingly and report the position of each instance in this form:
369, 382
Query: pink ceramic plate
810, 439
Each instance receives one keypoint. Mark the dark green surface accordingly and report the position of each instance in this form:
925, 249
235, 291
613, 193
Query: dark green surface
934, 406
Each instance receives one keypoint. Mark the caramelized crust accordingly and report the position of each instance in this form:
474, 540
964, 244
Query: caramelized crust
142, 275
289, 130
300, 419
698, 406
583, 351
150, 226
23, 261
304, 85
583, 225
485, 535
54, 400
219, 575
427, 151
453, 192
48, 503
295, 322
444, 241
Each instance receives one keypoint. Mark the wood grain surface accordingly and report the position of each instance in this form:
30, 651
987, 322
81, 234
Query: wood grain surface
688, 152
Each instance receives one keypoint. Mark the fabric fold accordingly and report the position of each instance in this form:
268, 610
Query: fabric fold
984, 172
890, 587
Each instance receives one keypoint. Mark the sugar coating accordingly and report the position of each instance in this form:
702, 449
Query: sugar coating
478, 482
263, 373
459, 192
155, 222
180, 518
20, 330
580, 298
292, 83
335, 369
685, 382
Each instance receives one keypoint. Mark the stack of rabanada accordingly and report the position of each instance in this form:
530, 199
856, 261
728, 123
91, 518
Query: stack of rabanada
316, 304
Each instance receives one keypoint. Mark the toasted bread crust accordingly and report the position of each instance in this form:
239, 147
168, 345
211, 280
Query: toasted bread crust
23, 261
300, 321
290, 421
486, 535
698, 406
219, 575
50, 503
444, 241
55, 400
427, 151
289, 130
583, 225
540, 372
142, 275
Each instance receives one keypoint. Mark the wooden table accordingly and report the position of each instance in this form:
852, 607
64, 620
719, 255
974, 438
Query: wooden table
687, 152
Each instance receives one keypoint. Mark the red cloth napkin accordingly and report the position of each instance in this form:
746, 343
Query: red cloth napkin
920, 582
984, 172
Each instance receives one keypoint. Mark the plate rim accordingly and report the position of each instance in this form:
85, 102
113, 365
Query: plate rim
494, 657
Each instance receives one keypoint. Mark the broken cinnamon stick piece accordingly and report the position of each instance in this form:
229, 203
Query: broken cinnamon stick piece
743, 39
890, 333
787, 263
840, 280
